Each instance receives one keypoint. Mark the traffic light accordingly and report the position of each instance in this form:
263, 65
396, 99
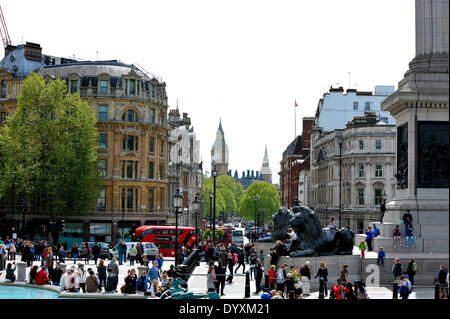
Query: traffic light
51, 226
60, 225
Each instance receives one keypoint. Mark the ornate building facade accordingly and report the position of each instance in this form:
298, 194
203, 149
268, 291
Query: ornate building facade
185, 167
131, 108
362, 158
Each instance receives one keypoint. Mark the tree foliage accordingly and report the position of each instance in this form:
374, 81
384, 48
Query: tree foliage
50, 142
268, 202
228, 194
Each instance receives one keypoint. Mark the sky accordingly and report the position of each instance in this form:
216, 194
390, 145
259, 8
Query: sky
243, 61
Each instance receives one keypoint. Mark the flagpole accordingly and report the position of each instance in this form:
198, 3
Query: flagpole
295, 122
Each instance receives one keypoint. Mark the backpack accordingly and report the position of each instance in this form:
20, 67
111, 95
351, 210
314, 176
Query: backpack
414, 267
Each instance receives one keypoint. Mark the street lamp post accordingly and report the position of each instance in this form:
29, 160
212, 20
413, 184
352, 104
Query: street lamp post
177, 199
13, 175
196, 203
210, 213
214, 174
340, 182
123, 210
255, 199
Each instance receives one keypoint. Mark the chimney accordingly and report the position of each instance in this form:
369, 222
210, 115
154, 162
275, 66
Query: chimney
33, 52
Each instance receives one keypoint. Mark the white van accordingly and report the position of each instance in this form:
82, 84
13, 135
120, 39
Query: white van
149, 249
237, 236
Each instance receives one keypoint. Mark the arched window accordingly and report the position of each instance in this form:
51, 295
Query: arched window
130, 116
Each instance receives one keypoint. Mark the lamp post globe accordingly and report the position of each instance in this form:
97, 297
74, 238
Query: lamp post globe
177, 200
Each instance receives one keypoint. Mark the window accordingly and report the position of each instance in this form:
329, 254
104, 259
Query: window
103, 112
104, 86
152, 90
378, 144
151, 170
132, 86
161, 170
361, 170
355, 105
367, 106
101, 199
384, 119
378, 170
150, 199
102, 141
3, 91
3, 117
152, 116
378, 196
130, 116
361, 196
73, 86
101, 167
129, 169
361, 145
130, 143
129, 198
161, 149
151, 146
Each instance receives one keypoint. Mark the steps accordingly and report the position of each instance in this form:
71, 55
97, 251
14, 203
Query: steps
388, 244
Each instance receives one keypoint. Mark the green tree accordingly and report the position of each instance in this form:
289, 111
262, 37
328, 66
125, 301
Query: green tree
228, 194
50, 142
268, 202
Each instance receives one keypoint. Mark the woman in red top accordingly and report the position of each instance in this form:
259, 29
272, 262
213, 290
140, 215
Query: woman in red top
42, 277
339, 290
272, 277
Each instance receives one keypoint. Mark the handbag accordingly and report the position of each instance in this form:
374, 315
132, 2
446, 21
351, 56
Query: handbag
122, 289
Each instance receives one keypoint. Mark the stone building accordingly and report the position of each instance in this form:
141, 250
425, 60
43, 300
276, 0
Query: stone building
185, 168
362, 156
247, 180
295, 159
219, 152
131, 108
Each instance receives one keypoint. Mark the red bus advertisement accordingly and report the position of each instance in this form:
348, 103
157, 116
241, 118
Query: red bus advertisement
227, 235
164, 237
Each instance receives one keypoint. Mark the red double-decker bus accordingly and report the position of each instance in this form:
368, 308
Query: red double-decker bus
164, 237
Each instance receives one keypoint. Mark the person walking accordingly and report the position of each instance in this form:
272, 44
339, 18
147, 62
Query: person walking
230, 264
411, 270
220, 277
253, 260
383, 210
211, 279
344, 274
281, 277
101, 273
120, 252
322, 273
305, 278
75, 253
139, 253
241, 262
27, 255
87, 253
258, 276
61, 254
133, 253
441, 280
12, 251
95, 251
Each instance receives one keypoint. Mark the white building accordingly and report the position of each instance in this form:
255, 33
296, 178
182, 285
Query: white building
336, 108
363, 156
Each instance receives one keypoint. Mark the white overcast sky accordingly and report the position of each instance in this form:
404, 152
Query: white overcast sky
244, 61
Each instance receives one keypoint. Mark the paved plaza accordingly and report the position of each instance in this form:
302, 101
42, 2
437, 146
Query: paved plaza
236, 290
